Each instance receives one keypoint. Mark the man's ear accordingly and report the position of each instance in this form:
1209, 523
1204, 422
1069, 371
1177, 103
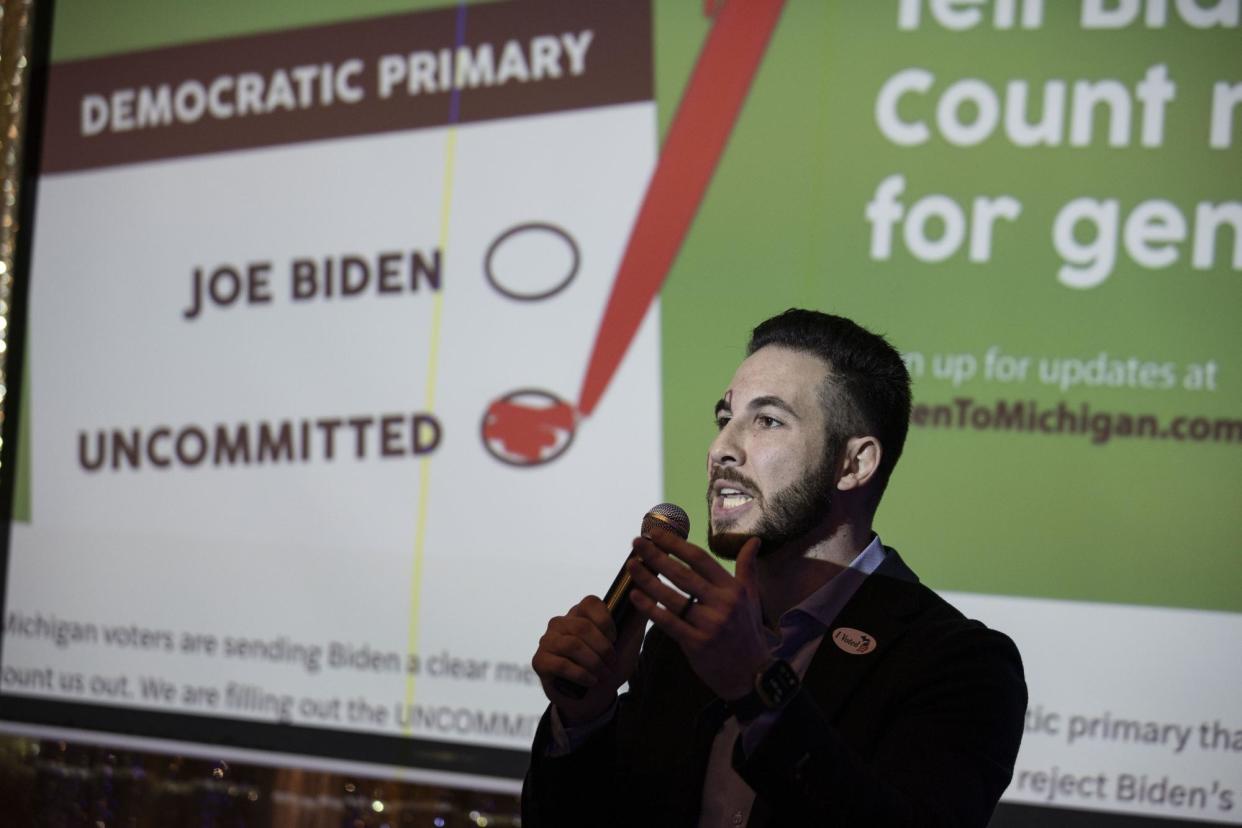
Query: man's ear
860, 461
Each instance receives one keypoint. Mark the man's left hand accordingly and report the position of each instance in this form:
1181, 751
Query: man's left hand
721, 632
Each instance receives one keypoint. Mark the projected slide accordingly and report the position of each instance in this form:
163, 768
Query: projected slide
290, 396
1041, 205
359, 343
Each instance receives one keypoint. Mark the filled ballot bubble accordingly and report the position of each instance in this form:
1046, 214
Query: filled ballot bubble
528, 427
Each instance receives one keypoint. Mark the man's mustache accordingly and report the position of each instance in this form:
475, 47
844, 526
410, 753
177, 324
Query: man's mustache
731, 475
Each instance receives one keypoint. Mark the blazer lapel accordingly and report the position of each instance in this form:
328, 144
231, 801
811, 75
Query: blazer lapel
879, 610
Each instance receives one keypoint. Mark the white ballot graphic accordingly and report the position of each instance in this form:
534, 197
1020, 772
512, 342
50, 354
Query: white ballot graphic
304, 450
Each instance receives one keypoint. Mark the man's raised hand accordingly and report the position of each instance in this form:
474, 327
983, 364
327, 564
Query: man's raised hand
721, 632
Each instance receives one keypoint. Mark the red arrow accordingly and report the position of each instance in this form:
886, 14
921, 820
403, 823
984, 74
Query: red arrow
705, 118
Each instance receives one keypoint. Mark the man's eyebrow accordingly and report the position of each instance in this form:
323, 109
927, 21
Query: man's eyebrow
723, 405
775, 402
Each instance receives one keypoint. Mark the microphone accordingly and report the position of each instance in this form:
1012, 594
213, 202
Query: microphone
666, 516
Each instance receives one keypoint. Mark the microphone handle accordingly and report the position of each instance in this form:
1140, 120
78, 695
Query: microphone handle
617, 601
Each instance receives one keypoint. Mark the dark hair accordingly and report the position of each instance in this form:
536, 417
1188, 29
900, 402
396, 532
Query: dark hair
868, 387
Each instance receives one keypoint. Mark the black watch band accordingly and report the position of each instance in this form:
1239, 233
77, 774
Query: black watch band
774, 686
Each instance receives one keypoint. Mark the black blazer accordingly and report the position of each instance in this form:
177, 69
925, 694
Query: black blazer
920, 731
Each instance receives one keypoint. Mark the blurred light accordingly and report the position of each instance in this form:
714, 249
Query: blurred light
349, 787
377, 806
438, 822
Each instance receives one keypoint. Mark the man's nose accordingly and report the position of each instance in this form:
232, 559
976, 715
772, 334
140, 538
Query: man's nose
726, 449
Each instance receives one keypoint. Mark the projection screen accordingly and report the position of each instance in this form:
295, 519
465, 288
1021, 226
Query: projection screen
336, 386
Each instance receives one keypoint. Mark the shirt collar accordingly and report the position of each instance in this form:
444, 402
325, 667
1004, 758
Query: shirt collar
817, 612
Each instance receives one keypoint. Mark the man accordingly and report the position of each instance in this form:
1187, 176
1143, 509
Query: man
820, 684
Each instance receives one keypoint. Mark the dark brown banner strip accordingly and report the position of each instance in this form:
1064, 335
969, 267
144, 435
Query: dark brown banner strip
522, 57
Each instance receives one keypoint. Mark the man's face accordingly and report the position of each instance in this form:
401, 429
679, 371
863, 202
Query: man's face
768, 475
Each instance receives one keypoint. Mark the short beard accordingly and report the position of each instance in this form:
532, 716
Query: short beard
792, 513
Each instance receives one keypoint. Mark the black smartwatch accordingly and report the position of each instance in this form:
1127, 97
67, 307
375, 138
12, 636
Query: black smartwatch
775, 685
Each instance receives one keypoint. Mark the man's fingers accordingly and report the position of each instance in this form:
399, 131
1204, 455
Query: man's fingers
680, 574
677, 628
698, 560
564, 653
584, 631
646, 582
593, 609
580, 651
548, 665
744, 570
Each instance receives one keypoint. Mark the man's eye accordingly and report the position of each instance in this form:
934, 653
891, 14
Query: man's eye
765, 421
722, 420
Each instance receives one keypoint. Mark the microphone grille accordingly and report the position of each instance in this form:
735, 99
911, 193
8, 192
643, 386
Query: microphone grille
669, 517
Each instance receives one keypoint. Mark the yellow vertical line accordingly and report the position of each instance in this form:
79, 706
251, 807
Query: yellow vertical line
424, 464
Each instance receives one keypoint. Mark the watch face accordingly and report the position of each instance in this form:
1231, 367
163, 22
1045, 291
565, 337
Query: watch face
777, 684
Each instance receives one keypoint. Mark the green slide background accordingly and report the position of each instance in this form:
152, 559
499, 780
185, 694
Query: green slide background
782, 224
1143, 522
